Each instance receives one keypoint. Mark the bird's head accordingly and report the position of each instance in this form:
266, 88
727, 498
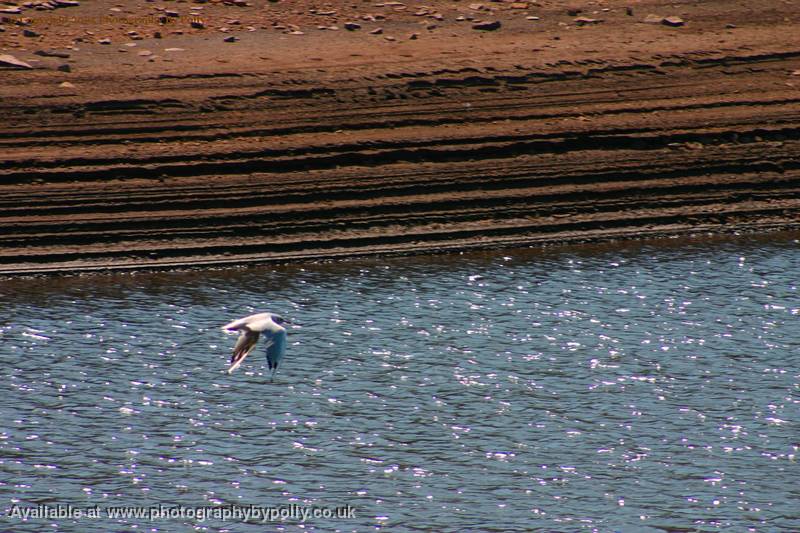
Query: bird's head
278, 319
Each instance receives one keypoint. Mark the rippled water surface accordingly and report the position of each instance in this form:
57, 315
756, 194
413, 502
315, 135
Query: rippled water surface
645, 387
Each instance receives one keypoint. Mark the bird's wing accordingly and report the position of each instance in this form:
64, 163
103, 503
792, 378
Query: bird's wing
247, 341
276, 346
239, 324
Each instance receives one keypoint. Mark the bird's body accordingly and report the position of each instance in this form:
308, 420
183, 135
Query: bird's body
250, 328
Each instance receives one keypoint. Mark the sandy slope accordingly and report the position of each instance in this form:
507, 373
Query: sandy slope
298, 142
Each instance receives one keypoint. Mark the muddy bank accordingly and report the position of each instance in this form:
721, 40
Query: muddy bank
300, 138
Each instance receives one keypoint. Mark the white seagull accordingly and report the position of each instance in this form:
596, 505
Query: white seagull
250, 328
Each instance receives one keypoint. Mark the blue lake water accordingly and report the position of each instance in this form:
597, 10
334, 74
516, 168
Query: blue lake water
637, 387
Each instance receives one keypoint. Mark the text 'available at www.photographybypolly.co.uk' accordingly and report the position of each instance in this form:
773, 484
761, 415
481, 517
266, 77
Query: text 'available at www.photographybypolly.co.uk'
238, 513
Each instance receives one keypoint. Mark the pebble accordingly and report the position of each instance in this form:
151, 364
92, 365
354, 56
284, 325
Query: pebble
198, 24
7, 60
352, 26
376, 31
50, 53
653, 19
11, 11
487, 26
66, 85
583, 21
30, 33
104, 41
231, 39
673, 21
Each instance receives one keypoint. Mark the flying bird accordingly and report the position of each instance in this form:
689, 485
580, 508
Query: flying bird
250, 329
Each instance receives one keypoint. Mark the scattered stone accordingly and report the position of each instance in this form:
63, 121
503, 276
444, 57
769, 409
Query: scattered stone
653, 19
198, 24
231, 39
519, 5
352, 26
629, 11
730, 26
66, 85
7, 60
174, 49
487, 26
65, 3
11, 11
390, 38
673, 21
29, 33
65, 68
157, 34
173, 14
532, 18
376, 31
49, 53
413, 37
477, 7
145, 53
105, 40
584, 21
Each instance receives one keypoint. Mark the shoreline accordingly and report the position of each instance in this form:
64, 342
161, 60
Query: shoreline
343, 143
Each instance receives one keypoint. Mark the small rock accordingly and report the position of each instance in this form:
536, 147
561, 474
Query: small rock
673, 21
629, 11
174, 49
65, 68
65, 3
390, 38
145, 53
487, 26
376, 31
104, 41
519, 5
66, 85
477, 7
11, 11
157, 35
730, 26
584, 21
49, 53
413, 37
352, 26
198, 24
7, 60
574, 11
231, 39
29, 33
653, 19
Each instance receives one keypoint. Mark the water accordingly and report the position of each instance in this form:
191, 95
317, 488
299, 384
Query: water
644, 387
